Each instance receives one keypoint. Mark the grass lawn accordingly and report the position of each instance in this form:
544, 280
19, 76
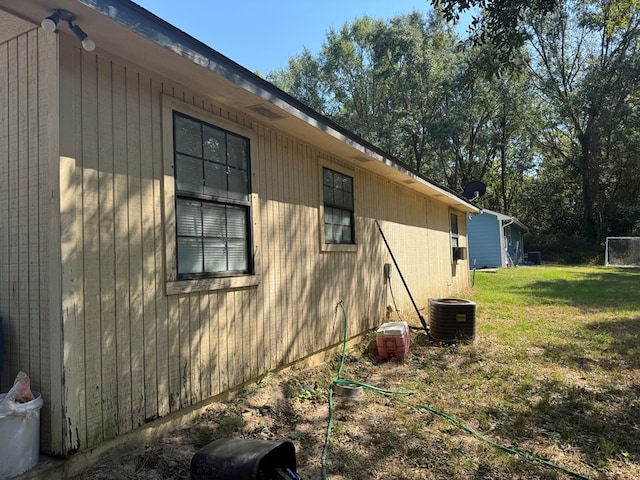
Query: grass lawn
554, 371
562, 348
553, 376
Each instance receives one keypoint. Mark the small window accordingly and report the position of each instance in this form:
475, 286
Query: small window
454, 230
213, 235
457, 252
337, 195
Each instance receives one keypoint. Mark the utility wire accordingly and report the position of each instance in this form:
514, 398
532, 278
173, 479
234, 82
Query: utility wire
393, 298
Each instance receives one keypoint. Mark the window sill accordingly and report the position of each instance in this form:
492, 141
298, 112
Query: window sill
211, 284
337, 247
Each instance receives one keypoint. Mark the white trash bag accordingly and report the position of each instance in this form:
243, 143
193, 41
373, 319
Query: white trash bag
19, 428
19, 393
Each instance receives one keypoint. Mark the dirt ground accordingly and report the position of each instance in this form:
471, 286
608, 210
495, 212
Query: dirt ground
375, 436
293, 405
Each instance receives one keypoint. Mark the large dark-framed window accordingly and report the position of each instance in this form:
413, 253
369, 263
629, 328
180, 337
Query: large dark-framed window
338, 206
212, 200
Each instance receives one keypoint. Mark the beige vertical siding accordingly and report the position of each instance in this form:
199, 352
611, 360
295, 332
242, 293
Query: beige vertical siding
28, 139
130, 351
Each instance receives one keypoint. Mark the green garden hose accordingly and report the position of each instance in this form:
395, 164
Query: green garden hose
338, 381
512, 450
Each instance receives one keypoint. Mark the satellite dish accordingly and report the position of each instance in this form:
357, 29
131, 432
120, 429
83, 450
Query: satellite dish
474, 190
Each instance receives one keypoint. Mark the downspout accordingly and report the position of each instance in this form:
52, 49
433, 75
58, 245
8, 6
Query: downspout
503, 240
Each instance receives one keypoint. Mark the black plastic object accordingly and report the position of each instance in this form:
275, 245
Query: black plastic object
452, 320
534, 257
244, 459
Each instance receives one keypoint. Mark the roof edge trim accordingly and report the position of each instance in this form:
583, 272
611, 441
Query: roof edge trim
161, 32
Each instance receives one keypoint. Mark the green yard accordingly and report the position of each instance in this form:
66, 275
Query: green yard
558, 364
554, 374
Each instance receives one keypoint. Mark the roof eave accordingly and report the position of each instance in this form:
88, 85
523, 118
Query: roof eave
168, 36
295, 117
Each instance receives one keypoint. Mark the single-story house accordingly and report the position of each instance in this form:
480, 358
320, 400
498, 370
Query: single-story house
495, 240
174, 226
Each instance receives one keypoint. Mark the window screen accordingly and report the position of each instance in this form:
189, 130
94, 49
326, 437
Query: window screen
212, 199
337, 194
454, 230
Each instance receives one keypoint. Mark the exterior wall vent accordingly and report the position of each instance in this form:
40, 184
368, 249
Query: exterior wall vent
262, 110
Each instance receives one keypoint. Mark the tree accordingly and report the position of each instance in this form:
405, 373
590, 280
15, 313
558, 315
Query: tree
499, 23
517, 119
356, 94
415, 57
555, 137
302, 80
383, 80
588, 74
403, 85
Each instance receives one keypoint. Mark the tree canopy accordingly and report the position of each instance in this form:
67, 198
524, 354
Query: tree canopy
555, 136
504, 24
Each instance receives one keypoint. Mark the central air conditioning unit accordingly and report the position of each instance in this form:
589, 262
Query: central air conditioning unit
452, 320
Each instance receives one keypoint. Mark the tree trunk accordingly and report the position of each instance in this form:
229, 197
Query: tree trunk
588, 175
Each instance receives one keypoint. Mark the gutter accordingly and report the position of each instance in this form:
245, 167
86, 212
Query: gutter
144, 23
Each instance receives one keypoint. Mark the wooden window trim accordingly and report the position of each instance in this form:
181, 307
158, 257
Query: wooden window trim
455, 235
336, 247
173, 284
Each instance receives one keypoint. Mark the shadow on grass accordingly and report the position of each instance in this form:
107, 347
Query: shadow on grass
598, 289
624, 334
602, 425
599, 420
607, 345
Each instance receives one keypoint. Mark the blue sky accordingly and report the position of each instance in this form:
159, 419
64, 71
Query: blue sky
262, 35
